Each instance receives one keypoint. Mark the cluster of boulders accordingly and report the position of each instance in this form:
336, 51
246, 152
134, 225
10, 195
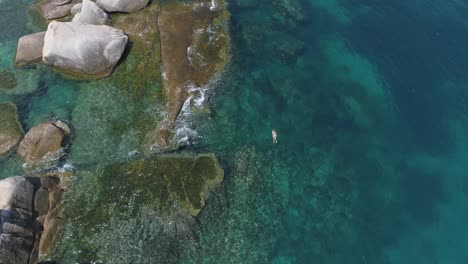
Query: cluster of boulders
42, 145
85, 47
30, 207
30, 212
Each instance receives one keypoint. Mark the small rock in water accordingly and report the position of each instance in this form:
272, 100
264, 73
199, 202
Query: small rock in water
42, 141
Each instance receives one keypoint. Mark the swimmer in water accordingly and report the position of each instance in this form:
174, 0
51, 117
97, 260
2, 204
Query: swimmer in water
274, 135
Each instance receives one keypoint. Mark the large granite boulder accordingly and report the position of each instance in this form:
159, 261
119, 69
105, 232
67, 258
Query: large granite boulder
83, 50
30, 48
11, 131
122, 5
43, 142
90, 13
16, 217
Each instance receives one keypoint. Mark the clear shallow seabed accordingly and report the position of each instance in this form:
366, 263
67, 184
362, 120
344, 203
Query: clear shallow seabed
369, 100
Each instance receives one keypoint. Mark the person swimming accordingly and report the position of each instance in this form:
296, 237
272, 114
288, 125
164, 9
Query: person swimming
274, 135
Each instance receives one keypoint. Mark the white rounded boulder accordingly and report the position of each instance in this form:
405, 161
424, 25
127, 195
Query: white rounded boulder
83, 49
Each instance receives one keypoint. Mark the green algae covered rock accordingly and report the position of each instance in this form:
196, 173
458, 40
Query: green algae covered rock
159, 183
11, 131
151, 200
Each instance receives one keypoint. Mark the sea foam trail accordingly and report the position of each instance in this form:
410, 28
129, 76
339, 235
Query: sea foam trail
185, 133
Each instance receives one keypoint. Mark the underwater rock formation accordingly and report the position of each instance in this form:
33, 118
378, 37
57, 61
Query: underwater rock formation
11, 131
30, 48
19, 81
43, 142
162, 182
90, 13
126, 6
7, 80
166, 190
84, 50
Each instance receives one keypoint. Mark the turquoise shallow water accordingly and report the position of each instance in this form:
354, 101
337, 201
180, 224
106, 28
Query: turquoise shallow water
369, 100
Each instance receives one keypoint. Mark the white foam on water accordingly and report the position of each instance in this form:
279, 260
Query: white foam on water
197, 95
68, 166
190, 54
213, 5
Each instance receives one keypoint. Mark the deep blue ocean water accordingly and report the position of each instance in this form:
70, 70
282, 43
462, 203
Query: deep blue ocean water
369, 99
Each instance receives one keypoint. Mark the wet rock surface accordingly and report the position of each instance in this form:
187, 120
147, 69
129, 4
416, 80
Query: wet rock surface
43, 141
30, 48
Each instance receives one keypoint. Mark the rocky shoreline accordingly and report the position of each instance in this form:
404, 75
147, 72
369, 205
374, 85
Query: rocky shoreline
133, 45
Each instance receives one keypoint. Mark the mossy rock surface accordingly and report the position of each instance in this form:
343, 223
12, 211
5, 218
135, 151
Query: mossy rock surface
161, 182
11, 131
161, 189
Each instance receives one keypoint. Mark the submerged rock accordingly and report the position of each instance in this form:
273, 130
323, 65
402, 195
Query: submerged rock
30, 48
19, 81
90, 13
126, 6
11, 131
116, 200
43, 141
89, 51
163, 181
7, 80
